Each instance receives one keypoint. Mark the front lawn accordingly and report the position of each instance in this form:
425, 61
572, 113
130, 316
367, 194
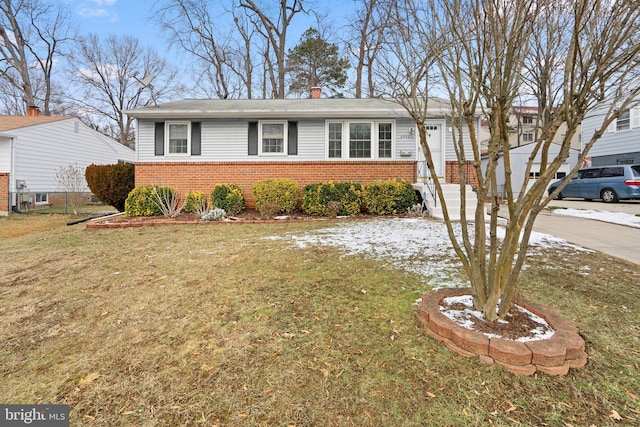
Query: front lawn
216, 325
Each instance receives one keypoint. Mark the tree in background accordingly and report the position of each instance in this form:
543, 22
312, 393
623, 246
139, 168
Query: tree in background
273, 24
314, 62
476, 53
371, 22
33, 35
222, 53
108, 75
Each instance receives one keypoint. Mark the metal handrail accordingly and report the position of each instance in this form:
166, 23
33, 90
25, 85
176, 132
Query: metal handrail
427, 181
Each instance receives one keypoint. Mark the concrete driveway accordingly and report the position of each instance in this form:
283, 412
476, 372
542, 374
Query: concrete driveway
616, 240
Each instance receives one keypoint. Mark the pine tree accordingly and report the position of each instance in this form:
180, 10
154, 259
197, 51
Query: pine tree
314, 62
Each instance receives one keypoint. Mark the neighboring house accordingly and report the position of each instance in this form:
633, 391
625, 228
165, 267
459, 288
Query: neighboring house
519, 157
195, 144
33, 148
524, 130
620, 143
525, 127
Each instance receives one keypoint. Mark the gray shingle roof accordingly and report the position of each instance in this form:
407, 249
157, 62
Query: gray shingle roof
281, 108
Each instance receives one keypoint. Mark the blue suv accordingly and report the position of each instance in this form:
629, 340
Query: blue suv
609, 183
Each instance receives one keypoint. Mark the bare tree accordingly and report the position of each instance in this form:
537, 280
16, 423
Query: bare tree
369, 28
32, 36
481, 49
273, 25
222, 53
108, 73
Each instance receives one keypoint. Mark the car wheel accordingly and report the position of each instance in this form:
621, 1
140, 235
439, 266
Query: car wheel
559, 196
608, 195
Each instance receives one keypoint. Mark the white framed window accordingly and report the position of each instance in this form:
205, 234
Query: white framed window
527, 120
272, 137
624, 121
177, 138
42, 198
527, 137
335, 140
360, 139
629, 119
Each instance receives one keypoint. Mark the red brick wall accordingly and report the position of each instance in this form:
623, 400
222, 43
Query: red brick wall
202, 176
4, 193
452, 173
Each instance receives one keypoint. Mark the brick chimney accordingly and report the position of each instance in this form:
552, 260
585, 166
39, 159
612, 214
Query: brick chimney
32, 110
316, 92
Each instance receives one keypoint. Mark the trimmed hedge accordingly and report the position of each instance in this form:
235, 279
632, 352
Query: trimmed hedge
228, 197
279, 192
111, 184
388, 197
143, 201
346, 197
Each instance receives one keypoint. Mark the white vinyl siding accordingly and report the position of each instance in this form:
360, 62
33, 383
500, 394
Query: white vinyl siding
612, 142
227, 140
40, 151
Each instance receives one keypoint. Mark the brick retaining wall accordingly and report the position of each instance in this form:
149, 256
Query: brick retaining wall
202, 176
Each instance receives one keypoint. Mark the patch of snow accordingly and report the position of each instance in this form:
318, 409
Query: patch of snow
417, 245
464, 318
612, 217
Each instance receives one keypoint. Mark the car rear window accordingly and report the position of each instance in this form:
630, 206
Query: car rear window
636, 170
612, 171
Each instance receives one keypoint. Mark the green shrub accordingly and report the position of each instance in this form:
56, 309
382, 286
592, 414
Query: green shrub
111, 184
323, 198
228, 197
388, 197
195, 201
282, 192
148, 200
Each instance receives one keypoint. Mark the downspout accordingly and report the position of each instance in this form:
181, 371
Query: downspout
12, 176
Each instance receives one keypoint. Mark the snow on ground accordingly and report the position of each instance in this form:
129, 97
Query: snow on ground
463, 318
421, 246
613, 217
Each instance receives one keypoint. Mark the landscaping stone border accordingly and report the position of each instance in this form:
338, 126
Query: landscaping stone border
553, 356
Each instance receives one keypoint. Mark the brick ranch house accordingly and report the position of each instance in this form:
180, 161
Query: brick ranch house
194, 144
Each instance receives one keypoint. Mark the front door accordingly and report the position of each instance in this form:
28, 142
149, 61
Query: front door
434, 139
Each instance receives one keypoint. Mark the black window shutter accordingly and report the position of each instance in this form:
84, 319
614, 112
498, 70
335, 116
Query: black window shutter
253, 138
196, 148
159, 139
292, 146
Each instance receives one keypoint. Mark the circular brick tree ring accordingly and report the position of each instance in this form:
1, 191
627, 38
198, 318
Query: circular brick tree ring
552, 356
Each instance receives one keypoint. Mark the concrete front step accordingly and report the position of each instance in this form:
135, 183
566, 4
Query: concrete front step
451, 194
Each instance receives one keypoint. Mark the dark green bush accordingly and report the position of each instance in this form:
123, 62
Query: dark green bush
111, 184
329, 198
389, 197
282, 192
228, 197
147, 200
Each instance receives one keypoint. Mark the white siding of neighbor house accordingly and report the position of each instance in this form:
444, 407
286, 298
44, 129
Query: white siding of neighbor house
519, 157
5, 154
41, 150
227, 140
612, 142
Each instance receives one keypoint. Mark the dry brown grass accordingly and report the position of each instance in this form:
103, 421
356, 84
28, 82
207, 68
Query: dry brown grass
214, 325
